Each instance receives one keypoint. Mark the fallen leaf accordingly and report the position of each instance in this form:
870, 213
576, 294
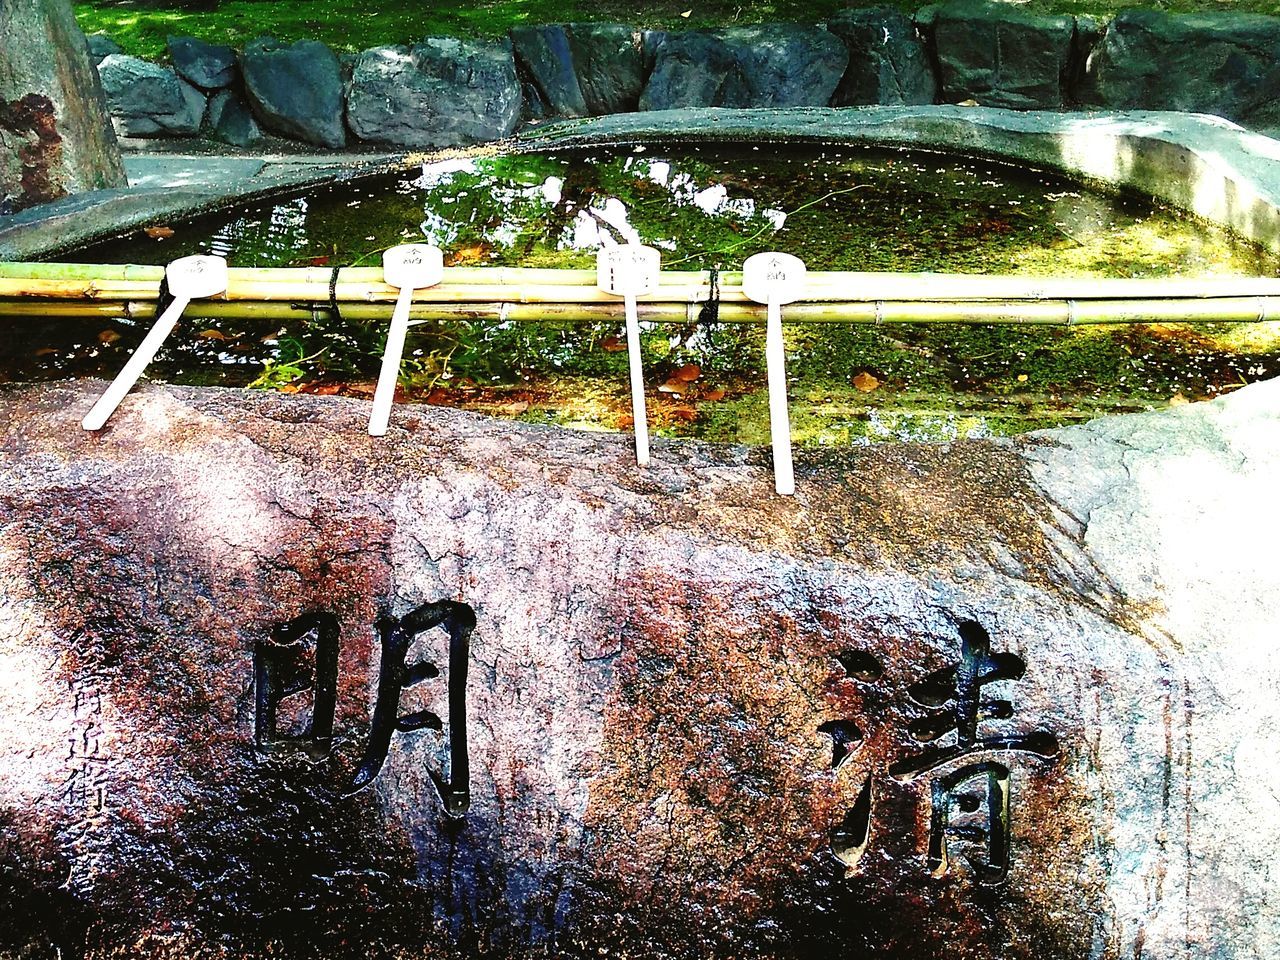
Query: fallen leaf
321, 389
471, 253
1022, 378
321, 261
108, 337
626, 423
687, 14
520, 406
717, 393
612, 345
967, 103
212, 334
158, 233
1178, 400
865, 382
290, 388
673, 386
688, 373
46, 351
687, 414
439, 397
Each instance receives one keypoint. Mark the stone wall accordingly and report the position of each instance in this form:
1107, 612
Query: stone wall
443, 92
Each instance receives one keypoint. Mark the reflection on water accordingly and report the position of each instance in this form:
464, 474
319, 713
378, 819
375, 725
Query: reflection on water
837, 209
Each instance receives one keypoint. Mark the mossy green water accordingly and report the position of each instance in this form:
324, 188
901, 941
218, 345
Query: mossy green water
853, 209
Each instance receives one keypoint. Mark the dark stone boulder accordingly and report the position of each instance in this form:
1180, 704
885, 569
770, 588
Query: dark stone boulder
583, 69
1226, 64
769, 65
1002, 56
440, 92
208, 66
55, 137
483, 682
102, 46
544, 53
888, 62
229, 119
296, 90
148, 100
609, 59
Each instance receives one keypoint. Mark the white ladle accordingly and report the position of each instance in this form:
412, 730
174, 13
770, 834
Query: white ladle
410, 266
188, 278
775, 279
629, 271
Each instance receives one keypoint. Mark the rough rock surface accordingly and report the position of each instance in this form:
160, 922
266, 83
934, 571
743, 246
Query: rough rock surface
769, 65
101, 46
888, 62
442, 92
295, 90
584, 69
699, 718
228, 119
55, 138
1001, 56
543, 52
207, 65
1226, 64
148, 100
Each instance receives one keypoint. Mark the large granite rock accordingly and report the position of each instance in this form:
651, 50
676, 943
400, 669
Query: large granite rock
273, 687
207, 65
148, 100
228, 119
770, 65
439, 93
1002, 56
584, 69
1226, 64
888, 62
55, 137
295, 91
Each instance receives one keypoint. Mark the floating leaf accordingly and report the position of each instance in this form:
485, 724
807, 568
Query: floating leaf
865, 382
108, 337
158, 233
688, 373
612, 344
212, 334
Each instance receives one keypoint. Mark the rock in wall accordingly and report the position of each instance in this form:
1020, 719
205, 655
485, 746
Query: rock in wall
55, 137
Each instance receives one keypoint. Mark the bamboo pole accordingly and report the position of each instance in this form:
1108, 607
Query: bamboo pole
1014, 313
528, 285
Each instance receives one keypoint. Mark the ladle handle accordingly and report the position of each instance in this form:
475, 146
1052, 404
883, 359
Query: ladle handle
127, 377
638, 413
775, 358
390, 373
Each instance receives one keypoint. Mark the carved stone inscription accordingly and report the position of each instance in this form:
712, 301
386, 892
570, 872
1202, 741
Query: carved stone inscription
301, 657
968, 775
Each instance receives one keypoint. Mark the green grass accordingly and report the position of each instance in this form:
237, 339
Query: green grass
141, 26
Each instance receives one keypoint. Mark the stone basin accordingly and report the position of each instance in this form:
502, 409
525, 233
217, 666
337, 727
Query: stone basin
988, 699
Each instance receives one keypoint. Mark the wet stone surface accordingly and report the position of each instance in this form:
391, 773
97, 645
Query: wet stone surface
486, 689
